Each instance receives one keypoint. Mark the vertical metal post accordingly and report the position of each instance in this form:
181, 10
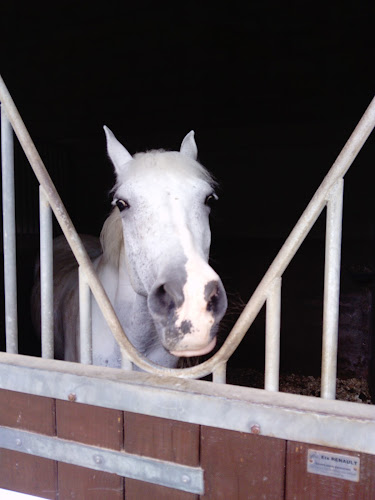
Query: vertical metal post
46, 275
9, 235
85, 325
219, 375
332, 290
273, 316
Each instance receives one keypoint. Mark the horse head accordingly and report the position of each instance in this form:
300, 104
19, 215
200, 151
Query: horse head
164, 198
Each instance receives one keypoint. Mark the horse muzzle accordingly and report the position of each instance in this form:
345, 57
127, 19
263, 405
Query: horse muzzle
187, 315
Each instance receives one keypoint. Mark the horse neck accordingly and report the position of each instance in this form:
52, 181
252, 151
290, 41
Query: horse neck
115, 279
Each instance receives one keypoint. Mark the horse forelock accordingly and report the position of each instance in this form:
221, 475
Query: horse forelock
179, 164
111, 238
166, 161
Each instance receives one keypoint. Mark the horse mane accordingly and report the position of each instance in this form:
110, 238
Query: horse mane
111, 238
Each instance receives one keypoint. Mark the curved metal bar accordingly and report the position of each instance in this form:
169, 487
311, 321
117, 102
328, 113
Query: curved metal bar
79, 251
282, 260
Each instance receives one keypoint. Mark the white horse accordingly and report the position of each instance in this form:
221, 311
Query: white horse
152, 262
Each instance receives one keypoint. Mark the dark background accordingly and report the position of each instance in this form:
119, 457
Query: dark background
273, 90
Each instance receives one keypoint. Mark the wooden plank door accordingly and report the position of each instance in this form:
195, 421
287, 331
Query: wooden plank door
304, 485
95, 426
241, 466
163, 439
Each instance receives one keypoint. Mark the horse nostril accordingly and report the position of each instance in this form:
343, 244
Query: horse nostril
215, 297
211, 294
212, 303
165, 298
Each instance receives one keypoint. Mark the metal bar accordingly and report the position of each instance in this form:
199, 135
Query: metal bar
85, 330
9, 234
332, 290
219, 375
46, 275
273, 315
162, 472
339, 424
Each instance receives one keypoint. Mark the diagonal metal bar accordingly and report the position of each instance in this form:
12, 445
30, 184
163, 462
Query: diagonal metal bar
71, 234
298, 234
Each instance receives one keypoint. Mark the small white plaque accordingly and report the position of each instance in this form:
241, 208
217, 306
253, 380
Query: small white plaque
333, 465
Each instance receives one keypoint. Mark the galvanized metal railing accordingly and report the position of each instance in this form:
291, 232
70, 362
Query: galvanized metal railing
329, 194
9, 235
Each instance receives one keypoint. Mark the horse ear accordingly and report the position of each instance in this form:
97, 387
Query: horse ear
116, 151
189, 147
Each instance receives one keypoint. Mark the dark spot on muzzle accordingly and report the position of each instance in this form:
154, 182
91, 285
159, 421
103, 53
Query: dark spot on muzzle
186, 327
174, 335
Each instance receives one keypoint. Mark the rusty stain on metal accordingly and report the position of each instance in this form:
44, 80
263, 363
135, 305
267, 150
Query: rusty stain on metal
255, 429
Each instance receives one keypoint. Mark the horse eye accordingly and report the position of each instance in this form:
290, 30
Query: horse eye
210, 199
122, 205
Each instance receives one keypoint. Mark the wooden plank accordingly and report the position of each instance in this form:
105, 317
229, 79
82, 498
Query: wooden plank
163, 439
28, 474
90, 425
19, 471
81, 483
241, 466
24, 411
303, 485
138, 490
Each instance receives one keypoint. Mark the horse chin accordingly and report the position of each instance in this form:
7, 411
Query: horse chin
188, 353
